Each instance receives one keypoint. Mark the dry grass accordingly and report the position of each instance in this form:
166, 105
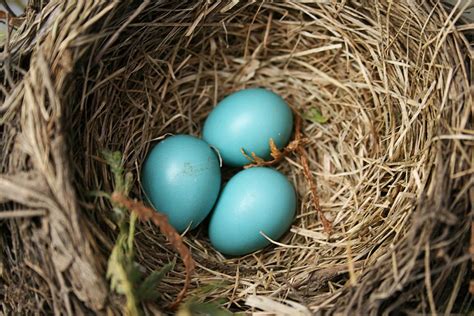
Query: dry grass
393, 165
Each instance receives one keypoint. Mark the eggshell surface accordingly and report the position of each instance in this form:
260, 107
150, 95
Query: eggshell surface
254, 200
181, 178
248, 119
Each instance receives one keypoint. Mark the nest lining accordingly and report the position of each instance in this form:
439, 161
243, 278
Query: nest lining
370, 160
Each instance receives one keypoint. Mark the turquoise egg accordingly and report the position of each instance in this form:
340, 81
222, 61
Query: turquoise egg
181, 178
248, 119
254, 200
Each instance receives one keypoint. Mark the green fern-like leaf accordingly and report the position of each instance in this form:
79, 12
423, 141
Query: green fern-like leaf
147, 289
114, 160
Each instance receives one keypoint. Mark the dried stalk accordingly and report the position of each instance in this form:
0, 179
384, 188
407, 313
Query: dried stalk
160, 220
296, 145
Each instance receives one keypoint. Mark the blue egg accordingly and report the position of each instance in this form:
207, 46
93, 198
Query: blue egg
247, 119
253, 201
181, 178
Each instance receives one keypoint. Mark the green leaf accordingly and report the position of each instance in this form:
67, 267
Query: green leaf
147, 290
221, 300
315, 116
114, 160
98, 193
122, 270
128, 182
131, 233
119, 268
196, 308
210, 287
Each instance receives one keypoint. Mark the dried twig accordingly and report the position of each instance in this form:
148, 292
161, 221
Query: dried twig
276, 153
314, 191
13, 21
7, 7
147, 214
309, 178
296, 145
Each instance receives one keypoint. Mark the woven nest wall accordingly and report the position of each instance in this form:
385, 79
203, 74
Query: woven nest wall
392, 164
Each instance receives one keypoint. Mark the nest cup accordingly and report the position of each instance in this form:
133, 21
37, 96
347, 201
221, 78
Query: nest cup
392, 163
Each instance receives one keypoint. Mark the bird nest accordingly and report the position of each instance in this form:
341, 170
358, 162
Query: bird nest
383, 93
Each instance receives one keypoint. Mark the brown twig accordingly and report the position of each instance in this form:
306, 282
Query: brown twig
13, 21
147, 214
314, 191
7, 7
309, 178
276, 153
296, 145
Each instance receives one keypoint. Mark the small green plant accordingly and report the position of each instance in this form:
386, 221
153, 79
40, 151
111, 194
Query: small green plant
315, 116
122, 270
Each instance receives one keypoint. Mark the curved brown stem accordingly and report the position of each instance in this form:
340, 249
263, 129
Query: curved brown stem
147, 214
296, 145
